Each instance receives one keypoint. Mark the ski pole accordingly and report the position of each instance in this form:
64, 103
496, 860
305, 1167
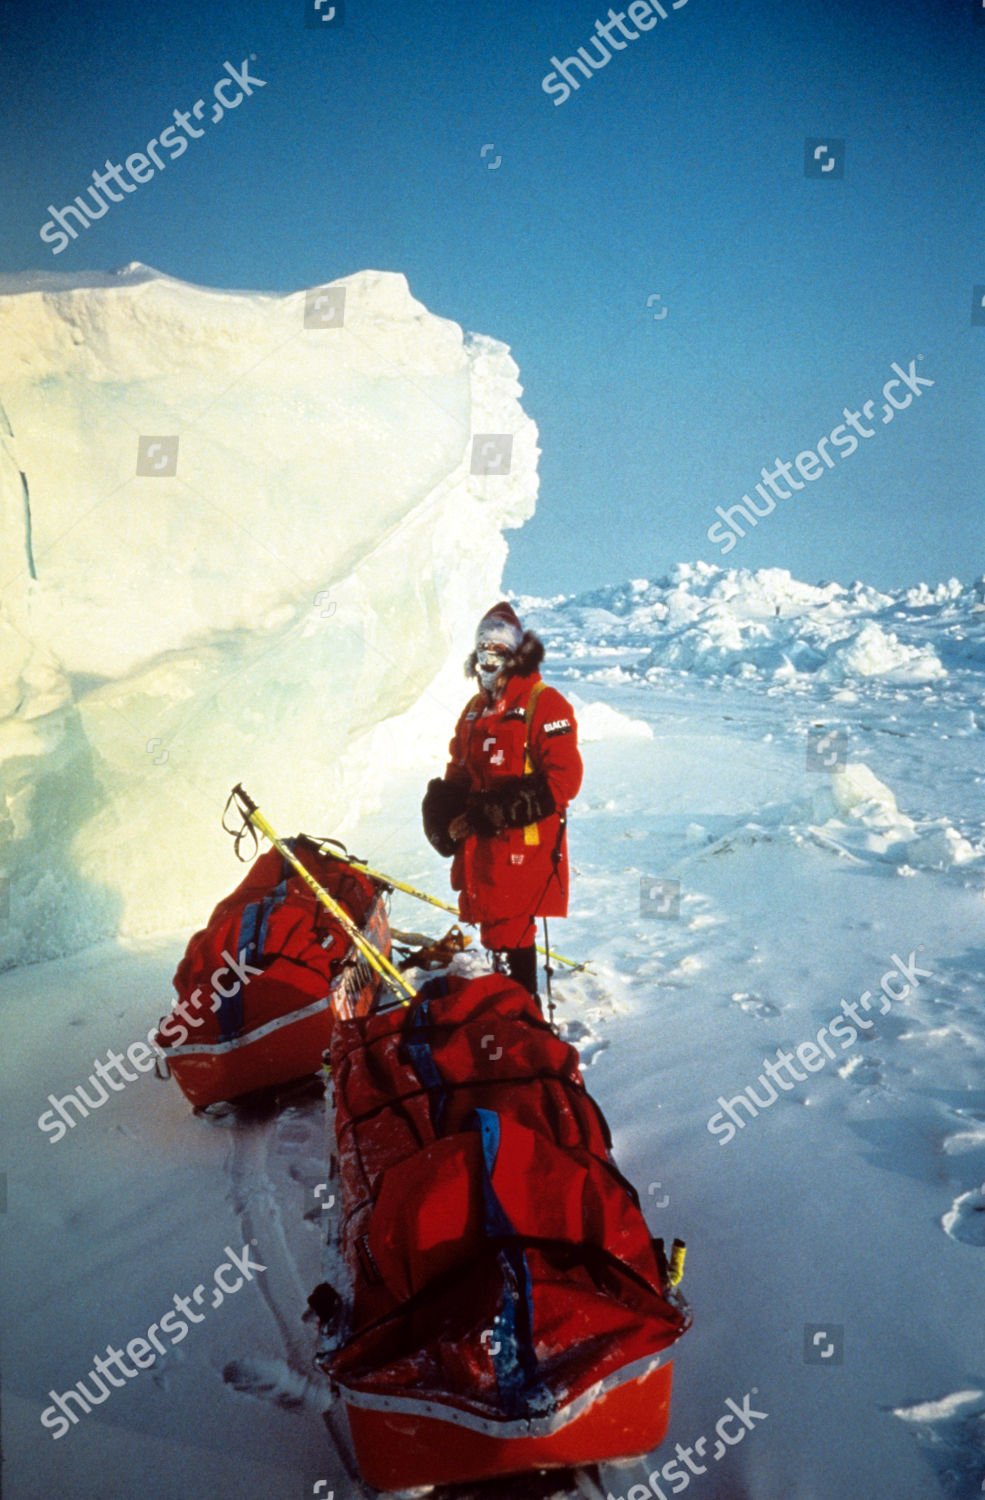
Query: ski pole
548, 971
410, 890
390, 976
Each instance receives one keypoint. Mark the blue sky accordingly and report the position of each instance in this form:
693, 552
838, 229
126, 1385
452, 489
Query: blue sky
672, 182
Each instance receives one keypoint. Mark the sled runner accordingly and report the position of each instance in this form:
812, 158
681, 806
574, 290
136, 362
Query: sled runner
507, 1308
260, 988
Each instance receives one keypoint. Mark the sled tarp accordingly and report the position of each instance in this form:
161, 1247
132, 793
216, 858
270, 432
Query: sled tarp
505, 1289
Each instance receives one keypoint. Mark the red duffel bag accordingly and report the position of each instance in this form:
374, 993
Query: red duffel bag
260, 987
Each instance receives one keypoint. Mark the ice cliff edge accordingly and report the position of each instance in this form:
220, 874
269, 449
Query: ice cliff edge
240, 539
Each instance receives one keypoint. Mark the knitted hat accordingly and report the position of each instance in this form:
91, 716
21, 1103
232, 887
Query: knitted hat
499, 627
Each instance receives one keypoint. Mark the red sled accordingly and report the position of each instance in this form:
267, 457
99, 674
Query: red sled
507, 1309
262, 986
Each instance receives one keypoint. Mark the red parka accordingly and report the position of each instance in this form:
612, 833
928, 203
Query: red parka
519, 872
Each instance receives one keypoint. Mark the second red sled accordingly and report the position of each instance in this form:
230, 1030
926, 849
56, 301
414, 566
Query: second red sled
506, 1307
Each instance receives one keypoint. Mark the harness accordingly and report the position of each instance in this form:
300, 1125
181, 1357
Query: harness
531, 833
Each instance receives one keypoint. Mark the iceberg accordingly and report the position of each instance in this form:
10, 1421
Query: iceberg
244, 537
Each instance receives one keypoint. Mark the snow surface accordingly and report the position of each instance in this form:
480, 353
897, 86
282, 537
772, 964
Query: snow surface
854, 1204
287, 608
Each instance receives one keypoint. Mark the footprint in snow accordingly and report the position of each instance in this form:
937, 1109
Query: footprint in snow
585, 1042
292, 1130
755, 1005
863, 1072
951, 1433
965, 1219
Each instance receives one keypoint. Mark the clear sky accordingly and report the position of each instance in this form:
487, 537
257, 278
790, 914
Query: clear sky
686, 305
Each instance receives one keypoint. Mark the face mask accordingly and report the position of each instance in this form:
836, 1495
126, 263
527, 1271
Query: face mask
490, 667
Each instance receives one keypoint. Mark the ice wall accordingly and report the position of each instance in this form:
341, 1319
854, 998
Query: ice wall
282, 596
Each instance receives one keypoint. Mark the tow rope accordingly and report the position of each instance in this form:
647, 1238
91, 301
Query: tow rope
391, 883
255, 820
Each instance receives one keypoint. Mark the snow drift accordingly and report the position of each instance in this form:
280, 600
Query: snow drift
267, 595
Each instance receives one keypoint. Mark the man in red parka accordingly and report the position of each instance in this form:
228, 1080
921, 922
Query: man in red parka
500, 809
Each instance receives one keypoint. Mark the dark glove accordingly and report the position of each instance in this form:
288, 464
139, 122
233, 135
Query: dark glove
513, 803
443, 801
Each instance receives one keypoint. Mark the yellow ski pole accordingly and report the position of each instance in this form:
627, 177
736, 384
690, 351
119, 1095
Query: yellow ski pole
390, 976
330, 846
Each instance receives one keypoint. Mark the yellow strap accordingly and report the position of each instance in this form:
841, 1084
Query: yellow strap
531, 834
411, 890
390, 975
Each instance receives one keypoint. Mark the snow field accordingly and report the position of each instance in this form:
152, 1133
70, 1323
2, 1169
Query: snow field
851, 1204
